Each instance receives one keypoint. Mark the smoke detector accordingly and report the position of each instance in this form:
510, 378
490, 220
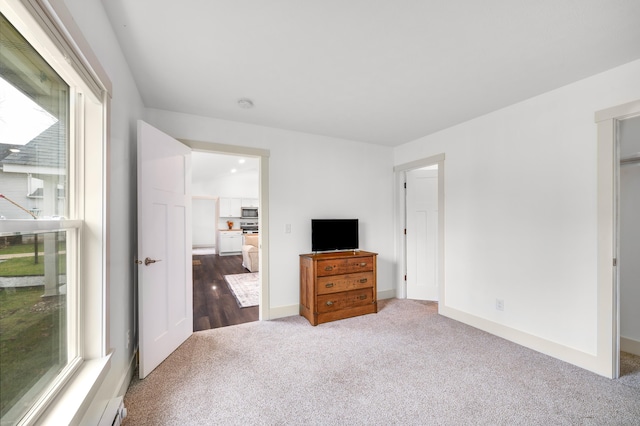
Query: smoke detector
245, 103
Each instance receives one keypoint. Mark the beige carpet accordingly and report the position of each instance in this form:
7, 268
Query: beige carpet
405, 365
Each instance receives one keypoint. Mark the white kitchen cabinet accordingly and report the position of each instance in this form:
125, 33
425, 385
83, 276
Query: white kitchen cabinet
230, 207
249, 202
229, 242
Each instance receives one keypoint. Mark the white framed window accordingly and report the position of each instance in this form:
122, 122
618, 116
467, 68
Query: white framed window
53, 121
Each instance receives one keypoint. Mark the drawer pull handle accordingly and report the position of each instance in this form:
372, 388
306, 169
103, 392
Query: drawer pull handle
328, 268
363, 264
329, 303
329, 285
363, 280
364, 296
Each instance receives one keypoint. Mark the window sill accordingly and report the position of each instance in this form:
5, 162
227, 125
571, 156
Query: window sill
70, 404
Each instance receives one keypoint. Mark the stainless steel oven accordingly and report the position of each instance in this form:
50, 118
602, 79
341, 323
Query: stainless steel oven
249, 226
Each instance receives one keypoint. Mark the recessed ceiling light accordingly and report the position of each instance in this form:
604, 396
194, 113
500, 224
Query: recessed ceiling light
14, 150
233, 170
245, 103
241, 161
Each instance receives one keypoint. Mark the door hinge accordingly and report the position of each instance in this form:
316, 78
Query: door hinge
405, 231
405, 185
615, 262
405, 277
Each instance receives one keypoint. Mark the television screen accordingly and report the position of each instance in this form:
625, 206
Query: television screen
334, 234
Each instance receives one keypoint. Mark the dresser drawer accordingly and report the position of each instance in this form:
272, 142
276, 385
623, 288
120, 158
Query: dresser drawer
344, 266
347, 299
337, 283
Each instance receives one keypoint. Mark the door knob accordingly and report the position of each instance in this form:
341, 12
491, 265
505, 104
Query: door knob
147, 261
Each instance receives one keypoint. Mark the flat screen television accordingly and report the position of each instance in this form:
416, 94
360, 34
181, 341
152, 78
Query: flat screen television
334, 234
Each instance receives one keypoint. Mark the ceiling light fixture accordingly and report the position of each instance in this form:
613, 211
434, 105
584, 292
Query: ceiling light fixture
233, 170
241, 161
14, 150
245, 103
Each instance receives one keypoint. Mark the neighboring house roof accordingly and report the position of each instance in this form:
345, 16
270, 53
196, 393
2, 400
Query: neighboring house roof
45, 150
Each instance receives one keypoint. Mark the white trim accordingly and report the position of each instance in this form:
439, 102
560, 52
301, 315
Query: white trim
630, 346
418, 164
27, 226
203, 146
56, 20
71, 403
284, 311
40, 170
127, 376
547, 347
619, 112
50, 29
265, 311
386, 294
608, 334
400, 223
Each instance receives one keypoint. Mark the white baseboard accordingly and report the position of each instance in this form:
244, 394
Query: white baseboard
387, 294
629, 345
284, 311
125, 380
573, 356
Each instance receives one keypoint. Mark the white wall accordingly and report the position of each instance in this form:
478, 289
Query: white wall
207, 181
520, 212
126, 108
238, 185
310, 176
630, 237
203, 223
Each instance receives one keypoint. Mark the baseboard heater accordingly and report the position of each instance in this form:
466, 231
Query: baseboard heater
114, 413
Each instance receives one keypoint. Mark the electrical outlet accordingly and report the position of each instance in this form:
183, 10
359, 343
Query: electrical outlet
500, 304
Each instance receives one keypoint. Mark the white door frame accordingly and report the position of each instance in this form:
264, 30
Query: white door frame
264, 309
400, 223
608, 336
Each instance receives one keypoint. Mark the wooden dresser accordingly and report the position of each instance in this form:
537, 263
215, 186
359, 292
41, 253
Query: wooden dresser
337, 285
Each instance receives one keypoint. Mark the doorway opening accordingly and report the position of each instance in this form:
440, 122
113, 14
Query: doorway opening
261, 157
420, 229
629, 245
225, 234
618, 163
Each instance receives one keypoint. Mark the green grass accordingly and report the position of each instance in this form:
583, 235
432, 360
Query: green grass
27, 248
26, 267
30, 336
22, 248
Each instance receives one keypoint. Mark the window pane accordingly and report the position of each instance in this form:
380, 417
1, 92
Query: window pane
34, 147
33, 318
34, 111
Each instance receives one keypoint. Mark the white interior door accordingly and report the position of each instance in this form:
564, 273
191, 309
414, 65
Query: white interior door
164, 246
422, 234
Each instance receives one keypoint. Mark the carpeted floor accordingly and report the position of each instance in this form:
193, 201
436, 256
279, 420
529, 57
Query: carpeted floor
405, 365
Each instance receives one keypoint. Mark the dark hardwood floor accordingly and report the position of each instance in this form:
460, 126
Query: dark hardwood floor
214, 305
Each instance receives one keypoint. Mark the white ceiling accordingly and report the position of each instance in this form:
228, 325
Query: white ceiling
207, 167
379, 71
